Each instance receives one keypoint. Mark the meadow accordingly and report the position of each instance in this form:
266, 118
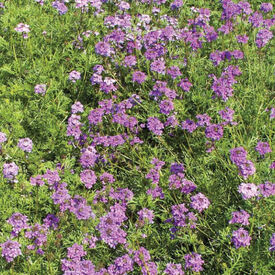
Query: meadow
137, 137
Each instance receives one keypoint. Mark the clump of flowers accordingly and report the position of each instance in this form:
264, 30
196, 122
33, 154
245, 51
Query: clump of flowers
24, 29
10, 171
240, 217
10, 250
248, 190
194, 262
18, 222
199, 202
74, 76
263, 148
40, 89
240, 238
25, 144
246, 167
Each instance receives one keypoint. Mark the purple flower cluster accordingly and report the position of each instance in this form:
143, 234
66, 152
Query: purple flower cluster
217, 57
194, 262
153, 175
10, 171
272, 242
223, 86
40, 89
88, 177
25, 144
240, 217
10, 250
24, 29
248, 190
74, 76
246, 167
240, 238
109, 226
60, 7
155, 125
145, 216
199, 202
173, 269
263, 148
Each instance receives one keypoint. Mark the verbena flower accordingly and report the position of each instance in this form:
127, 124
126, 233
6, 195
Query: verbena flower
194, 262
40, 89
240, 217
240, 238
263, 148
25, 144
248, 190
10, 170
199, 202
10, 250
74, 76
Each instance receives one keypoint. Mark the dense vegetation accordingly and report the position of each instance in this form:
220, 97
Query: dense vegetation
137, 137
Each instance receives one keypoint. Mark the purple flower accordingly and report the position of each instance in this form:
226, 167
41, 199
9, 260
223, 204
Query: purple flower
23, 28
37, 181
214, 131
3, 138
141, 256
199, 202
179, 216
104, 49
266, 7
88, 177
18, 222
155, 125
74, 75
122, 265
189, 125
248, 190
139, 77
174, 72
272, 165
25, 144
227, 115
89, 157
272, 242
240, 238
158, 66
263, 148
130, 61
267, 189
238, 155
240, 217
107, 178
40, 89
145, 215
10, 250
10, 170
185, 84
166, 106
60, 6
262, 38
173, 269
246, 169
51, 221
203, 120
194, 262
76, 252
176, 168
242, 39
77, 107
176, 4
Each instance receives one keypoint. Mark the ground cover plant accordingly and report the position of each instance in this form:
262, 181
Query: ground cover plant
137, 137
